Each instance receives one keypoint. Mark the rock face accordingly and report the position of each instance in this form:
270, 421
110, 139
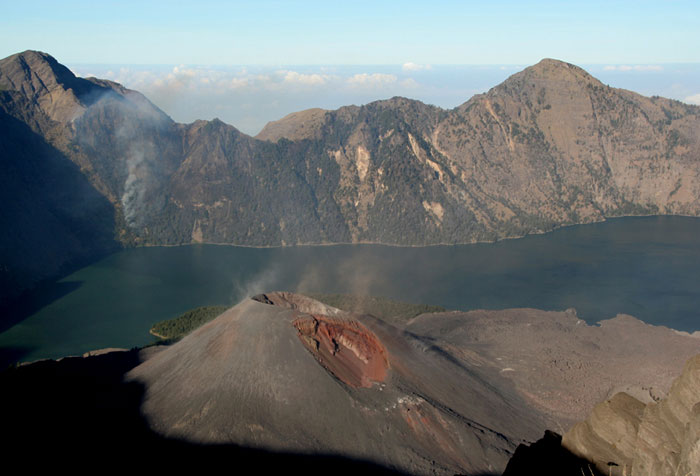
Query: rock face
550, 146
609, 433
660, 438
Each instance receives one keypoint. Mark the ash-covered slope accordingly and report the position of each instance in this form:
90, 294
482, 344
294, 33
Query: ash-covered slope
294, 375
558, 363
82, 406
448, 392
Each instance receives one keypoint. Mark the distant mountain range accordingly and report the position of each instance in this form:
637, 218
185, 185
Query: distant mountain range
88, 166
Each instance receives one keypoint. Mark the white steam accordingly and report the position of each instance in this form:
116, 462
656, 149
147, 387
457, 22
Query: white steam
139, 169
263, 282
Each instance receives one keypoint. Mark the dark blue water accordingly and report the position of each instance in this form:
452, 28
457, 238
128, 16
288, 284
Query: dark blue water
647, 267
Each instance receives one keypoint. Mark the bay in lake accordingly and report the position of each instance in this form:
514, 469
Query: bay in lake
648, 267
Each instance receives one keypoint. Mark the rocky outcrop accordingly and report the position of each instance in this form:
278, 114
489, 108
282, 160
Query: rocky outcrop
547, 457
659, 439
609, 433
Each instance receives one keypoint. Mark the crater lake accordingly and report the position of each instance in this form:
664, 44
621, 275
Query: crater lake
648, 267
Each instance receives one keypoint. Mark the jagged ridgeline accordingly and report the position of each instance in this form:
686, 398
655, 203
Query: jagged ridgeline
550, 146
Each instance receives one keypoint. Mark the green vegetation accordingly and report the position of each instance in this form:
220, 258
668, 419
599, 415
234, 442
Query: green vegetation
172, 330
392, 311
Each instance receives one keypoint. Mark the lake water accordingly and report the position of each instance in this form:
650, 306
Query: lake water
647, 267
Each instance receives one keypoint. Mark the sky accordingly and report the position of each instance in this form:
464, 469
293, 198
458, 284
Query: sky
248, 62
358, 32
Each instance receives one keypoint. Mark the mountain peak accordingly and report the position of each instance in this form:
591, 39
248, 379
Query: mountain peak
22, 69
41, 79
551, 75
295, 126
30, 56
554, 63
554, 69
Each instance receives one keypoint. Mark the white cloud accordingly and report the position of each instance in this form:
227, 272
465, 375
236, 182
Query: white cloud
182, 71
293, 77
415, 67
248, 97
694, 99
636, 67
371, 80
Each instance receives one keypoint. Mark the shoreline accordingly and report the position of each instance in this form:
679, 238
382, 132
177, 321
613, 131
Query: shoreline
395, 245
154, 333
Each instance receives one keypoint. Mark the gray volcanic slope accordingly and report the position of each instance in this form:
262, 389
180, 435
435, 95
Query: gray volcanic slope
448, 392
557, 362
247, 378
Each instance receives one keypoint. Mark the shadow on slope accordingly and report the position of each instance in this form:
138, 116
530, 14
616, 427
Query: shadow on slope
12, 354
31, 301
78, 413
547, 457
54, 220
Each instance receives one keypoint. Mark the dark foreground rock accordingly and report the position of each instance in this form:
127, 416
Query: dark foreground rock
547, 457
79, 415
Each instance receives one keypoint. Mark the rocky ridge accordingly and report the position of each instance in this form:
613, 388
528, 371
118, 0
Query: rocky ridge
550, 146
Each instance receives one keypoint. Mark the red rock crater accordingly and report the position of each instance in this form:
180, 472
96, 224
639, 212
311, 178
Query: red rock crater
346, 348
